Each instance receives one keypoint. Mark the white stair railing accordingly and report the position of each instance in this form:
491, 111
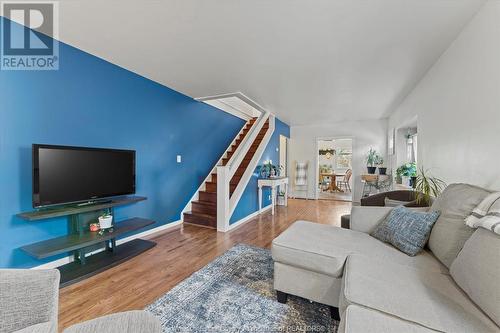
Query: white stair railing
226, 203
195, 196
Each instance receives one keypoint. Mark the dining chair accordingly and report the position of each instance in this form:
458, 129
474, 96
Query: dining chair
344, 181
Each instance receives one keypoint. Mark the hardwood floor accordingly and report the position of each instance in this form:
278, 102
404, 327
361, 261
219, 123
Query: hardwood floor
179, 253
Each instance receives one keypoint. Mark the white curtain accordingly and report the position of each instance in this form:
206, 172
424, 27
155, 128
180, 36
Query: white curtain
415, 148
411, 149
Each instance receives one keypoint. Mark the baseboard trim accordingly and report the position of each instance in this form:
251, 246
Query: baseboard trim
247, 218
68, 259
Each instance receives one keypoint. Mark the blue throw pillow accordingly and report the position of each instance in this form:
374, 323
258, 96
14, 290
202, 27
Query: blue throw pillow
405, 229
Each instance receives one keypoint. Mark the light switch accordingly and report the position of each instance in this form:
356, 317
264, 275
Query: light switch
179, 158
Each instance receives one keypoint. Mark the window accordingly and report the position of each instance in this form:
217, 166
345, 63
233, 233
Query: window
344, 159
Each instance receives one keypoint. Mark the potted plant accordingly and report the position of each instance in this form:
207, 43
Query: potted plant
405, 173
427, 187
380, 162
399, 174
371, 161
281, 198
268, 170
412, 173
106, 220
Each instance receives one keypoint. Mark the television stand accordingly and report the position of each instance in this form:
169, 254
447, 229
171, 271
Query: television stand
83, 244
94, 202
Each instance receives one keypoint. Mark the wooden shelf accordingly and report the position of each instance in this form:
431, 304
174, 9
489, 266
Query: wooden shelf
72, 242
74, 272
45, 213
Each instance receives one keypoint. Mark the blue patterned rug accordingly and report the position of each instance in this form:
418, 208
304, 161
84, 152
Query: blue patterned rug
234, 293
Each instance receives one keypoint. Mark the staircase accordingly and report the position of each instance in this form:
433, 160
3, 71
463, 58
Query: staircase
204, 209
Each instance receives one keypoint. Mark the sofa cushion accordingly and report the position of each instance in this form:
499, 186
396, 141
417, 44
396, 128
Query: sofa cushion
407, 230
450, 233
430, 299
135, 321
477, 271
28, 297
47, 327
357, 319
324, 249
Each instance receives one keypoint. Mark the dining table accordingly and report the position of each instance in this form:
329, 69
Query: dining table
333, 184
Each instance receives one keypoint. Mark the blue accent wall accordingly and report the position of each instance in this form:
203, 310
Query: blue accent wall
249, 202
91, 102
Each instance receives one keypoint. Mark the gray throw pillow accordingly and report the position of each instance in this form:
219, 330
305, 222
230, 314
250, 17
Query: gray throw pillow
406, 230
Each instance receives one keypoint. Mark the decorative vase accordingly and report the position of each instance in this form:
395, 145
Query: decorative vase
382, 171
105, 222
371, 170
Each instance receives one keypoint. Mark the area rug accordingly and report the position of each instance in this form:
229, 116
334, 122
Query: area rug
234, 293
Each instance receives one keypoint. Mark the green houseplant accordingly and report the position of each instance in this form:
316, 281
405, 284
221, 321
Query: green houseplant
324, 168
268, 169
281, 198
371, 161
427, 187
380, 162
105, 220
406, 170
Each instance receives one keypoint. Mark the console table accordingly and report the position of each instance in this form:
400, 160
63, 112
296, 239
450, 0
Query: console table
273, 183
81, 242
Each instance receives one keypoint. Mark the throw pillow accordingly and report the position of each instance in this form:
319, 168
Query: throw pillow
406, 229
394, 203
487, 214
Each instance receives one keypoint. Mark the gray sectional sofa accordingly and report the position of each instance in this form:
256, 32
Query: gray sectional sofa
452, 286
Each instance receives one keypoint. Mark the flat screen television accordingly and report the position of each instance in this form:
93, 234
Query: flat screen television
64, 174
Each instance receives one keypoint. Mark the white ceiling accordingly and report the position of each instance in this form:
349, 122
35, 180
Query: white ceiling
308, 61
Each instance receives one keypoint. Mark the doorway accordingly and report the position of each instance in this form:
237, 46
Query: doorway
284, 155
334, 173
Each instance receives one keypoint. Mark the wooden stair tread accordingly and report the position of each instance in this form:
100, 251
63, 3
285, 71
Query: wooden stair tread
209, 216
205, 203
200, 219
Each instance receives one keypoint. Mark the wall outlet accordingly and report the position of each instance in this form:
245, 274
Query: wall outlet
179, 158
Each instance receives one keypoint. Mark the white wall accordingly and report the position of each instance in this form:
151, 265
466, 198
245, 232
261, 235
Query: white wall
457, 105
365, 134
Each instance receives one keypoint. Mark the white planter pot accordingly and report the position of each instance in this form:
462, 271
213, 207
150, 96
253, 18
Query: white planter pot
281, 200
406, 180
105, 222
